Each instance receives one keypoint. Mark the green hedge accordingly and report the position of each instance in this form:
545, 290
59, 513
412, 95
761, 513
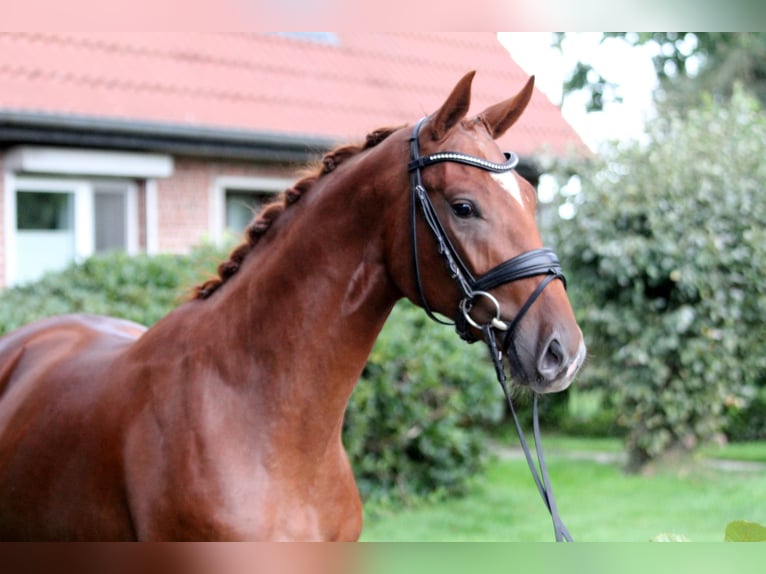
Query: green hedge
141, 288
746, 420
414, 423
665, 257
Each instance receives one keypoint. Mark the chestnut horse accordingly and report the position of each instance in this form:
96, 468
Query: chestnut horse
223, 420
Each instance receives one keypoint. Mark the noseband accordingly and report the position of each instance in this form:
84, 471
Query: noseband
536, 262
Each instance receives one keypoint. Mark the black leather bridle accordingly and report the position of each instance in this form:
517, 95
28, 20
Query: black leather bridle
537, 262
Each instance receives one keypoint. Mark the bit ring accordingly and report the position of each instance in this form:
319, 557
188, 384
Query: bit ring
466, 305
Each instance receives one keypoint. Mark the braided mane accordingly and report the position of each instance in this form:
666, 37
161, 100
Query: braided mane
266, 217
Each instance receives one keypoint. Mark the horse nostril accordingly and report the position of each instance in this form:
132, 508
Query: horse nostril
552, 360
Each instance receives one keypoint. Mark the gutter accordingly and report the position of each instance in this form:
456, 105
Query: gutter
18, 127
39, 128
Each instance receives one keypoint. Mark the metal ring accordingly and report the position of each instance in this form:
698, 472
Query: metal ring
466, 304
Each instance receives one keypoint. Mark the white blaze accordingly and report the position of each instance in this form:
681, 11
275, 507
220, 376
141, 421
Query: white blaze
509, 183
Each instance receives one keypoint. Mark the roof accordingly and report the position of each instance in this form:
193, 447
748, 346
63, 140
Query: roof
328, 86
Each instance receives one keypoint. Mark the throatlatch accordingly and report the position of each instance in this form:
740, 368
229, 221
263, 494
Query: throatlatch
532, 263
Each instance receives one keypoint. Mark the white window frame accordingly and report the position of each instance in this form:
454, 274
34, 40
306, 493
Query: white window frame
151, 213
223, 184
84, 222
9, 227
69, 165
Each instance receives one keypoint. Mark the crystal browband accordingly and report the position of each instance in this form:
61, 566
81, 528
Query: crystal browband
512, 160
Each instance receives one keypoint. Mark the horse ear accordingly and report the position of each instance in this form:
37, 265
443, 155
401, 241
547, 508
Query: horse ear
500, 117
453, 109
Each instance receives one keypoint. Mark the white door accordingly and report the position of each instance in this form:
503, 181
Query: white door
46, 235
60, 221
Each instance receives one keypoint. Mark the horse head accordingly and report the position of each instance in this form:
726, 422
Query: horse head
472, 211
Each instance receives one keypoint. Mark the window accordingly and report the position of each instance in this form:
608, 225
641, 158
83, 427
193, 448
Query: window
79, 202
45, 237
57, 221
113, 216
326, 38
241, 205
41, 210
236, 199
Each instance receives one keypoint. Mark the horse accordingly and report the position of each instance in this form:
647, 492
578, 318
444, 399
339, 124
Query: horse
223, 420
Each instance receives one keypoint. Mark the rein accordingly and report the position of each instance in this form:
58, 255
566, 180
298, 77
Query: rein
532, 263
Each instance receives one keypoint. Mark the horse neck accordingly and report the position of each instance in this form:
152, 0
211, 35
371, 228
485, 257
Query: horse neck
291, 331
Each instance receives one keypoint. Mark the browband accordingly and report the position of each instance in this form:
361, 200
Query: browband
511, 161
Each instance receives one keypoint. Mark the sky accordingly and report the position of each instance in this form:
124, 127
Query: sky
631, 68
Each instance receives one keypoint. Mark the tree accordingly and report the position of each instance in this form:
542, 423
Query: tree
687, 64
666, 255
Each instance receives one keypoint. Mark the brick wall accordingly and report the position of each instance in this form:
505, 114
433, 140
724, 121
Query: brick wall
183, 200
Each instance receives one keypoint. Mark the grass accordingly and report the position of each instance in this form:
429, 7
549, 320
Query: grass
597, 501
565, 444
754, 451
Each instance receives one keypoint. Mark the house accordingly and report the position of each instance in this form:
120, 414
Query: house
150, 142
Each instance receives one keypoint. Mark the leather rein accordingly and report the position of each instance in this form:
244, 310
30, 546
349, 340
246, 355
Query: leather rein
532, 263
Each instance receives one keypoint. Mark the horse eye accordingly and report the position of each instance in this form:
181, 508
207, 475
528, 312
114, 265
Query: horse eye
463, 209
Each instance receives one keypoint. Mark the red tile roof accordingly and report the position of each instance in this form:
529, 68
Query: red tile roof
341, 88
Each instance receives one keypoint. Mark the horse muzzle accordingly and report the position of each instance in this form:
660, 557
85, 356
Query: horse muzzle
555, 368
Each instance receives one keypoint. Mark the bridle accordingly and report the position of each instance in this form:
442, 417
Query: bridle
531, 263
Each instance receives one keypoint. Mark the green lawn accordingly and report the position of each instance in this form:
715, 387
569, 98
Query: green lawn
597, 500
748, 451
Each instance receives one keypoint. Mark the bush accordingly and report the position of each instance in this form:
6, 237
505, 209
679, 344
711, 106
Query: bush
414, 423
141, 288
589, 413
413, 426
665, 256
746, 420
